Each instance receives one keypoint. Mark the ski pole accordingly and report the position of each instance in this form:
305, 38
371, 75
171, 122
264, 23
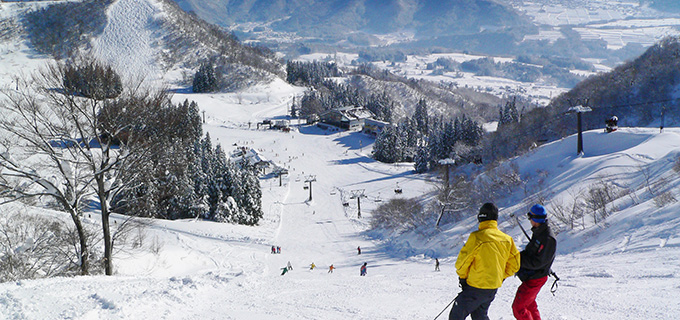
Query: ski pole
447, 306
520, 226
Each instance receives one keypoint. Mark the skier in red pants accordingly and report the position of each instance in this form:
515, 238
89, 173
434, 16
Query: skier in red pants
536, 259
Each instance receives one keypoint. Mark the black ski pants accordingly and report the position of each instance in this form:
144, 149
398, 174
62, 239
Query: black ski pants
474, 302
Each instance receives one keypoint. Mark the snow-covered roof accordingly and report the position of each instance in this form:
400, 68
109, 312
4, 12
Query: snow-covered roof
352, 113
248, 154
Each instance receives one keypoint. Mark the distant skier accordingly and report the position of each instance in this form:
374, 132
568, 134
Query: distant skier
358, 250
330, 269
290, 267
436, 264
284, 270
273, 249
537, 257
312, 266
363, 269
278, 249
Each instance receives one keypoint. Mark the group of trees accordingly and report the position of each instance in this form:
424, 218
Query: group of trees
50, 32
135, 153
422, 138
92, 80
206, 79
310, 74
525, 69
425, 140
330, 95
184, 176
373, 55
327, 94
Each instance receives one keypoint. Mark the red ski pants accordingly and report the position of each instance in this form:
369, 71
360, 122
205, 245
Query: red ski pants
524, 307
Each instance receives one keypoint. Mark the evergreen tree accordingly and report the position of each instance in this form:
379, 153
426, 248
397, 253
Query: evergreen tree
472, 132
508, 114
387, 147
92, 80
176, 197
421, 117
422, 160
250, 198
205, 79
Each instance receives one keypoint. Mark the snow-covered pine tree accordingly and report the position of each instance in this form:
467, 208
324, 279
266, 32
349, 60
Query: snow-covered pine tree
250, 200
508, 114
471, 131
421, 117
387, 147
422, 160
205, 79
176, 198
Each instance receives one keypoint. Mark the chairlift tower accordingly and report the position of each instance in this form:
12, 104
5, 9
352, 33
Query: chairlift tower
358, 194
447, 162
579, 109
310, 179
280, 173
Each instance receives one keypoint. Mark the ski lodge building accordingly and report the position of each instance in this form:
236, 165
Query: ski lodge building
348, 118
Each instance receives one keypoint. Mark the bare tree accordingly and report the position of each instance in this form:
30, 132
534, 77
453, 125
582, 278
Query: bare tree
34, 162
568, 212
676, 165
34, 246
599, 198
457, 199
399, 215
70, 148
664, 194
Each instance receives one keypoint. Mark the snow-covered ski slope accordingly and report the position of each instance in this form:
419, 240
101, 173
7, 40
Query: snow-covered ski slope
625, 268
130, 39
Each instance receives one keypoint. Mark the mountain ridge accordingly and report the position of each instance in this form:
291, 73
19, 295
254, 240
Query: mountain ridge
337, 19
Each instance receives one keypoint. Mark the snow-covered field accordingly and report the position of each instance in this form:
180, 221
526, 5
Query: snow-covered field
625, 268
617, 22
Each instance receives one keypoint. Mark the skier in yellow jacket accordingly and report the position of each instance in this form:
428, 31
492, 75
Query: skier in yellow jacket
487, 258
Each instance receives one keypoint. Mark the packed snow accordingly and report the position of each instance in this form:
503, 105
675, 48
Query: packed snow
627, 267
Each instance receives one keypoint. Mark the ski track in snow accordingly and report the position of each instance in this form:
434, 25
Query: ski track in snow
128, 38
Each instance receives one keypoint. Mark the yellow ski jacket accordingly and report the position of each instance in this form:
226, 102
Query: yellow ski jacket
488, 257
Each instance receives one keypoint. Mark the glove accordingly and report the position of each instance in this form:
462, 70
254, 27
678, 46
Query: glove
462, 282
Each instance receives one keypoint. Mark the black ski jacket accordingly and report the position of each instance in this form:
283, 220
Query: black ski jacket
537, 257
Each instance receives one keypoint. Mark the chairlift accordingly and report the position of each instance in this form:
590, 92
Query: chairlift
612, 124
305, 187
345, 204
333, 193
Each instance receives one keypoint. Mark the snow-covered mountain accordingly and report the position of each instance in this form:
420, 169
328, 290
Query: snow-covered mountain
150, 40
338, 18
